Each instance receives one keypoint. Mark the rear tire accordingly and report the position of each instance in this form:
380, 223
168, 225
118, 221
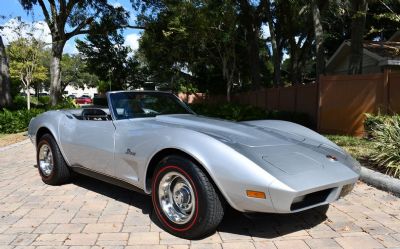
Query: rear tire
51, 164
185, 200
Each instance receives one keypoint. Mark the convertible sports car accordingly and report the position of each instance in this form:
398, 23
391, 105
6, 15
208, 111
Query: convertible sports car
192, 166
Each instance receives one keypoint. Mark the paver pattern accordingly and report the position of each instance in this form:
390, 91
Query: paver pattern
90, 214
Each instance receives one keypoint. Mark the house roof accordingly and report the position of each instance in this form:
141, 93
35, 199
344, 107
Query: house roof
386, 53
384, 49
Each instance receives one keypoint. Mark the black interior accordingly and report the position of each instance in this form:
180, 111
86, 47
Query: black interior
93, 114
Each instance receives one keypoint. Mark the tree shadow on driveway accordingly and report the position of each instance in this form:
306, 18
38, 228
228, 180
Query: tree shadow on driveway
234, 224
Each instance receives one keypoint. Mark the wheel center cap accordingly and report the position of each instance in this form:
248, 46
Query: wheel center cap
181, 197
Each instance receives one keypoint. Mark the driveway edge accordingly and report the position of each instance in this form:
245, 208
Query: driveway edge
380, 181
7, 147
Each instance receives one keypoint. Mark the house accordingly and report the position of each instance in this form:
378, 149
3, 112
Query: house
377, 56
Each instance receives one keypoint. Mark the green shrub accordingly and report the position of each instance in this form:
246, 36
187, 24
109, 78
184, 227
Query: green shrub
65, 104
237, 112
386, 134
372, 121
17, 121
45, 100
19, 102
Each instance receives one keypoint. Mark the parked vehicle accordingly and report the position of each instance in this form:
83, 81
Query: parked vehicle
23, 94
71, 96
43, 94
192, 166
84, 99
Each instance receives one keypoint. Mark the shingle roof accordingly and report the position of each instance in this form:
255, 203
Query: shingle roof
384, 49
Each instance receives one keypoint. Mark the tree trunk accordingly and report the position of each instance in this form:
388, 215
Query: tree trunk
294, 61
359, 12
254, 55
319, 39
252, 25
275, 53
55, 72
28, 98
5, 90
226, 74
228, 91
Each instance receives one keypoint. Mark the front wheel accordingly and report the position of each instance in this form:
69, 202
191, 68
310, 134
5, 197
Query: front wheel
184, 199
51, 164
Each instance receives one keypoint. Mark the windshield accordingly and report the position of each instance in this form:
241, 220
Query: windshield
148, 104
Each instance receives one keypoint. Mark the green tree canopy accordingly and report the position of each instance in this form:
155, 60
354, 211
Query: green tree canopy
68, 18
25, 57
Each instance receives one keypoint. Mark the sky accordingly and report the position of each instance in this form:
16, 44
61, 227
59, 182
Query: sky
11, 9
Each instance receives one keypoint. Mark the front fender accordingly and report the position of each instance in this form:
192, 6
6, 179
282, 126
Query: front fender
51, 121
232, 172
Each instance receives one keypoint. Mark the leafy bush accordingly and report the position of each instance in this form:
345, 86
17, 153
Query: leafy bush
13, 121
19, 102
65, 104
386, 135
17, 121
45, 100
244, 112
372, 121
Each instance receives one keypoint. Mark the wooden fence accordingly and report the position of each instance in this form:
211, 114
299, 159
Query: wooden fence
336, 105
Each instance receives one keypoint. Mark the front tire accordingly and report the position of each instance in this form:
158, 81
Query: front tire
51, 164
185, 201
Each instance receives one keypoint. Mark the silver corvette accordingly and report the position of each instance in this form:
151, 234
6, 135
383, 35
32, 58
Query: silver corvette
192, 166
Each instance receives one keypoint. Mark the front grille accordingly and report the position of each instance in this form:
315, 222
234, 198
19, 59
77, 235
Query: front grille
310, 199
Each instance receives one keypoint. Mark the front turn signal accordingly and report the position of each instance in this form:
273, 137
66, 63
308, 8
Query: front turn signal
255, 194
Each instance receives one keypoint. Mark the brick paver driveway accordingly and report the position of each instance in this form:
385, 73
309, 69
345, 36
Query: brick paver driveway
92, 214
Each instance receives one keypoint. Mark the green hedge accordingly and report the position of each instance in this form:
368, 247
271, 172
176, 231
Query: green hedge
17, 121
237, 112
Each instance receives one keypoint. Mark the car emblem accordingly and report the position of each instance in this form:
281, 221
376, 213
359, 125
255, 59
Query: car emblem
331, 158
129, 152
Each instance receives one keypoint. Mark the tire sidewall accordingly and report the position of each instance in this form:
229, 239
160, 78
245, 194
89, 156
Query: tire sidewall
184, 167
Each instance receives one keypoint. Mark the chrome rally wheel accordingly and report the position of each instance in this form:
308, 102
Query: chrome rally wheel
46, 162
176, 197
184, 199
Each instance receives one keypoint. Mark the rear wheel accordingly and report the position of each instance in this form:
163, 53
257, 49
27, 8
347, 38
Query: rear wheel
184, 199
51, 164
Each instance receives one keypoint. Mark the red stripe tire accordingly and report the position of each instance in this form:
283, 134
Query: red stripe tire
184, 198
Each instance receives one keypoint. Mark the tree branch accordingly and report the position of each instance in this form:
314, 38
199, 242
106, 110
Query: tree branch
62, 6
46, 13
79, 29
53, 9
69, 7
133, 27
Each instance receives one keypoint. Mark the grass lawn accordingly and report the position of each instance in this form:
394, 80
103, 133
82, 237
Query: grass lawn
360, 149
7, 139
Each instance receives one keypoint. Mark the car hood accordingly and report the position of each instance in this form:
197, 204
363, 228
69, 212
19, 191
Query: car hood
232, 132
275, 150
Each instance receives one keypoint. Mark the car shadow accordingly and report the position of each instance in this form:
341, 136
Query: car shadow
257, 225
130, 197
